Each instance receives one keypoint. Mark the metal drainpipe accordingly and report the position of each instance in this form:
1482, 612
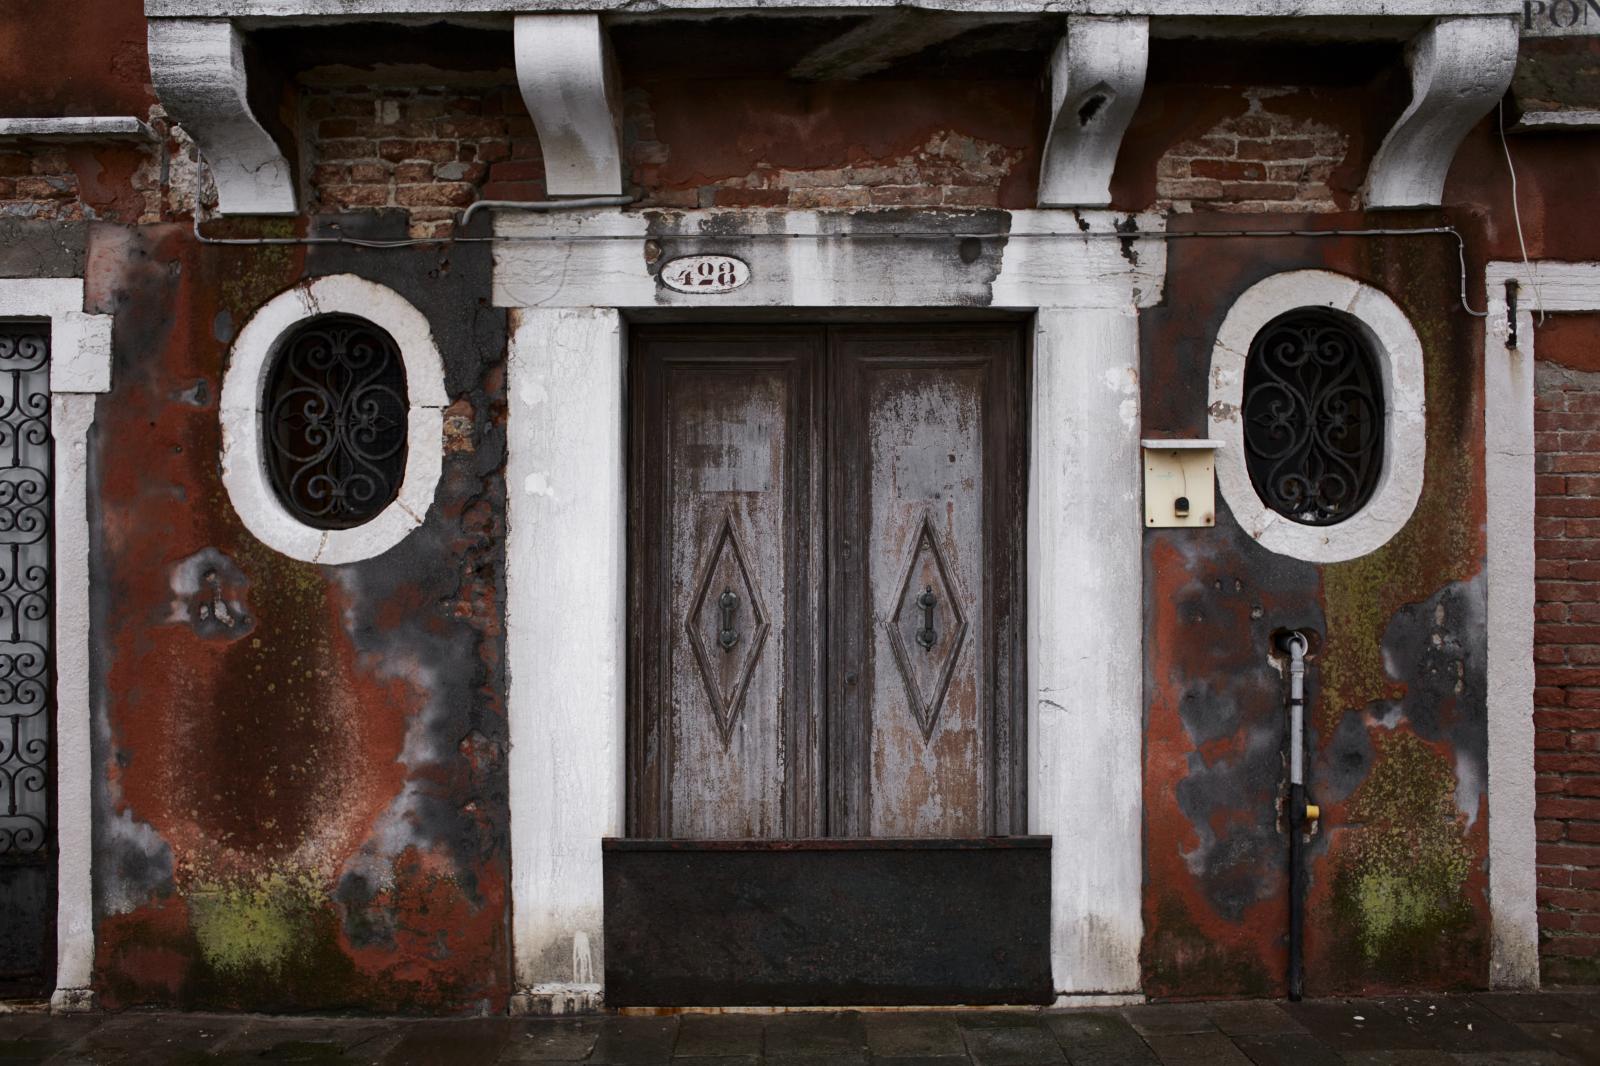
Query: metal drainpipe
1301, 813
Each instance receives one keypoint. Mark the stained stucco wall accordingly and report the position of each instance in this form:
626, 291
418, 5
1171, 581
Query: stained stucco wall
300, 801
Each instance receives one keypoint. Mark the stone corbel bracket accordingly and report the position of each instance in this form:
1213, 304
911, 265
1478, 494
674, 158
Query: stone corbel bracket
197, 66
568, 81
1096, 79
1460, 68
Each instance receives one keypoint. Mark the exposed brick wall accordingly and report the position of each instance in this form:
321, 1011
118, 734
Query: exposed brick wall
1567, 665
1266, 159
431, 151
947, 168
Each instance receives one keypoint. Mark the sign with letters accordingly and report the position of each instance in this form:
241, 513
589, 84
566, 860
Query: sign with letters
705, 274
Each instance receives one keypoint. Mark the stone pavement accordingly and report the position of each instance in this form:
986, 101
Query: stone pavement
1498, 1029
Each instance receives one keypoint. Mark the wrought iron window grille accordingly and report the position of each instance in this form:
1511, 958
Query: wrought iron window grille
1313, 417
26, 595
336, 418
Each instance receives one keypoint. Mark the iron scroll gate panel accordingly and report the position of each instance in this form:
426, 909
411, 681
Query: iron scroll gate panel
27, 681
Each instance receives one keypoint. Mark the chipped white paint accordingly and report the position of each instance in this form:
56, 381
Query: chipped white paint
568, 81
1564, 120
1508, 386
835, 259
76, 128
1096, 80
1460, 68
80, 367
1086, 644
565, 580
567, 560
1399, 356
244, 469
197, 68
1241, 9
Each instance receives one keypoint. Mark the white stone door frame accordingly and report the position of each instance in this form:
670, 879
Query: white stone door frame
1509, 453
80, 368
573, 280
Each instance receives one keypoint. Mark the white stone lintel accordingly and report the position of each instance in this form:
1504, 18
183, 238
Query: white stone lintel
1460, 68
197, 67
76, 128
569, 84
1096, 79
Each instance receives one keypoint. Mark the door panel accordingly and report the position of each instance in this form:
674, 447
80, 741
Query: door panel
824, 582
726, 671
926, 454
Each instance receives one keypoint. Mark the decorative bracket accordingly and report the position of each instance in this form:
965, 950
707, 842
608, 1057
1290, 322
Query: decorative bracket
568, 81
1096, 79
1460, 67
197, 66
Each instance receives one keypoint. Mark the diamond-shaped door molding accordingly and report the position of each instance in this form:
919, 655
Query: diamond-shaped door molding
928, 626
727, 626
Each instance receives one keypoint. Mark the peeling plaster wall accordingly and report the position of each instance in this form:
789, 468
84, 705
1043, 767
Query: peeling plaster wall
1396, 719
301, 798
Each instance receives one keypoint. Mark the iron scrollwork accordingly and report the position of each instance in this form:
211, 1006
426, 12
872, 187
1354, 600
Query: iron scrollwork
1313, 417
336, 408
26, 591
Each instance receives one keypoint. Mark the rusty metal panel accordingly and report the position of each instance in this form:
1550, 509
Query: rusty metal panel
827, 922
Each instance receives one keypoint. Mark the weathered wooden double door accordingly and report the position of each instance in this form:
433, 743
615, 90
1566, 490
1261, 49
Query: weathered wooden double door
826, 613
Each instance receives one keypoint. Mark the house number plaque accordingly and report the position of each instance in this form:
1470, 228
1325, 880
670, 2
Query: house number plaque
705, 273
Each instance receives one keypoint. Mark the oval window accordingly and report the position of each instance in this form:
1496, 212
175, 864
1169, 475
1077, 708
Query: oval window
1313, 417
336, 412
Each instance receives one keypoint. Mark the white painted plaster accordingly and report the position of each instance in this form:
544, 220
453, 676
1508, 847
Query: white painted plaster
1399, 356
567, 513
566, 563
1096, 80
568, 81
833, 259
76, 128
1508, 390
244, 470
1460, 68
1086, 643
197, 68
80, 367
1242, 9
1567, 119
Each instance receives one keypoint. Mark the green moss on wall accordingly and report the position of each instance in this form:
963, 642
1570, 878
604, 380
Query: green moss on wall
1400, 876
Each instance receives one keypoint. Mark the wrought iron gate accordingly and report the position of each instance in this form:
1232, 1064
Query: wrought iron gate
27, 678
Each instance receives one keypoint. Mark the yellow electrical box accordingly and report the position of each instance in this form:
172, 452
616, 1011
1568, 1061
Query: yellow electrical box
1180, 483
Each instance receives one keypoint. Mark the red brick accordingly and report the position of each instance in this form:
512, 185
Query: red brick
1228, 170
517, 170
1278, 148
1570, 899
752, 197
356, 195
906, 195
1566, 718
437, 194
1560, 807
370, 172
1569, 855
513, 190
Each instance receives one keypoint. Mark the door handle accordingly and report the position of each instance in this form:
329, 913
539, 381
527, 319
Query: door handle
926, 635
729, 604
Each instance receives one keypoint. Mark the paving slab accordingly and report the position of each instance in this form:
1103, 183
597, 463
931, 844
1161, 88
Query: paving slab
1170, 1019
1253, 1018
1532, 1007
452, 1043
1578, 1041
635, 1041
1098, 1038
901, 1036
719, 1036
552, 1041
1401, 1057
1196, 1049
1350, 1025
997, 1019
1287, 1049
796, 1035
1013, 1045
1541, 1057
1458, 1023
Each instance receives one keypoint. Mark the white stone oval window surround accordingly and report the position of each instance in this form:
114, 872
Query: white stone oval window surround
244, 470
1398, 353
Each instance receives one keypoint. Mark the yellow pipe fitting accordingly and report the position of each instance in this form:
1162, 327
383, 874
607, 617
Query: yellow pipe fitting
1313, 812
